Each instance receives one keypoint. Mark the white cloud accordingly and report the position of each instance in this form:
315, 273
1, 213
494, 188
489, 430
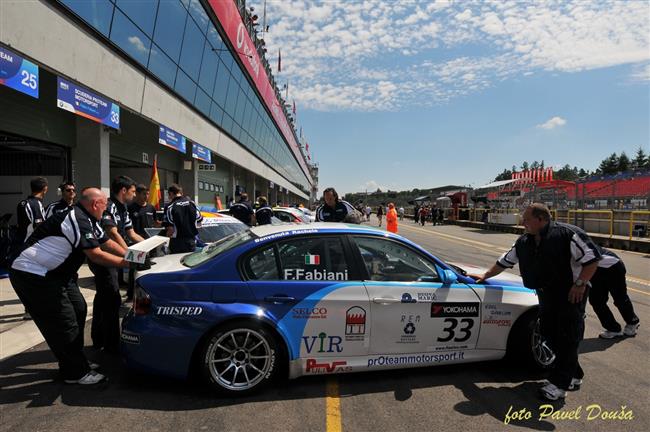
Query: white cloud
341, 55
137, 43
372, 186
552, 123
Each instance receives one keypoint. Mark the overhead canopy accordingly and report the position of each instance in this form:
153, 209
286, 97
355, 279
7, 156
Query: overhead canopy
423, 198
498, 183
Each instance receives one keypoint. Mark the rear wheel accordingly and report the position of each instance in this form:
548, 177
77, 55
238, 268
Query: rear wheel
239, 358
527, 346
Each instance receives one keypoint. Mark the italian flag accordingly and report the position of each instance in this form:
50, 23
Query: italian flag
312, 259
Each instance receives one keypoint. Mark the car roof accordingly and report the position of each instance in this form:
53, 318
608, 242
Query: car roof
266, 230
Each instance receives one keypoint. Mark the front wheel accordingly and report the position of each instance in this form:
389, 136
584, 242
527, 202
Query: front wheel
239, 359
527, 346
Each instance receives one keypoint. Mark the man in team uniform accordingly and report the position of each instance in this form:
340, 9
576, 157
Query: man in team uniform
243, 210
182, 219
141, 212
44, 277
334, 209
68, 194
30, 212
264, 213
105, 329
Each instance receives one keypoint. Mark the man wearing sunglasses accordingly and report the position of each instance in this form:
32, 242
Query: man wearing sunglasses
68, 194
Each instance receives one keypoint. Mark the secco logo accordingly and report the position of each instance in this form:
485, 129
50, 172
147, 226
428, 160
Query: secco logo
448, 310
179, 310
309, 313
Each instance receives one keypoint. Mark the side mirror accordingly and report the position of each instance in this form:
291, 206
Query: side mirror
448, 277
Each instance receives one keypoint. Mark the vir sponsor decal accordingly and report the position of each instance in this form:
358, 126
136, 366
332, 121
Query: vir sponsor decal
446, 310
355, 324
312, 366
323, 343
309, 313
179, 310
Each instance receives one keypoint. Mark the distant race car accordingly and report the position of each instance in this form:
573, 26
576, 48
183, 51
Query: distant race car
323, 298
215, 226
291, 215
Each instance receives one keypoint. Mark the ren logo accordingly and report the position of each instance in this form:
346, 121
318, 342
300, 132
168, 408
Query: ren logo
323, 343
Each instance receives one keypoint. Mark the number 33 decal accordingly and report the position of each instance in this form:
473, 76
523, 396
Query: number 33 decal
450, 330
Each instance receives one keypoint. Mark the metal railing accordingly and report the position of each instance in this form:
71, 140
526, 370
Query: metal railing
639, 212
609, 212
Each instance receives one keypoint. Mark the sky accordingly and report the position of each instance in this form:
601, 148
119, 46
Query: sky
403, 94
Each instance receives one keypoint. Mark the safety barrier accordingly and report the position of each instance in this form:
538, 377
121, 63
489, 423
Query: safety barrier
645, 225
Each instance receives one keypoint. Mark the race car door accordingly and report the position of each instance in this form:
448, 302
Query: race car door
412, 310
308, 287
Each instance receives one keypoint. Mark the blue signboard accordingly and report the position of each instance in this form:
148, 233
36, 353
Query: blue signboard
83, 102
18, 73
200, 152
171, 139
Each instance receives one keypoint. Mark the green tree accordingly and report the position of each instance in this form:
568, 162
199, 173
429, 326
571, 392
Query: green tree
524, 166
623, 163
640, 160
609, 165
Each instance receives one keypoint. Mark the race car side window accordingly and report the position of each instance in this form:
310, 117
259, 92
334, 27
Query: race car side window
388, 260
313, 259
262, 265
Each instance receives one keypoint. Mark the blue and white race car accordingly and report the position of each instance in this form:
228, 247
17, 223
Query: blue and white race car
327, 298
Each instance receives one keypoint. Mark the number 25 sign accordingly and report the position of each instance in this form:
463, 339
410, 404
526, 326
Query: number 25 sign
18, 73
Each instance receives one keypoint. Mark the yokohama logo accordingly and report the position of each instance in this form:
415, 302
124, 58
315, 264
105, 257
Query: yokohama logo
445, 310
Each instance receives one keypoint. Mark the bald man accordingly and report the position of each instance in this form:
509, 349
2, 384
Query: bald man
45, 278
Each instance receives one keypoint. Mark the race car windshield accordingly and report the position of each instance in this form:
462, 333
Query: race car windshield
216, 248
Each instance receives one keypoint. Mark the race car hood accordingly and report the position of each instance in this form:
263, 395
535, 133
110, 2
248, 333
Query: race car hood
505, 278
165, 264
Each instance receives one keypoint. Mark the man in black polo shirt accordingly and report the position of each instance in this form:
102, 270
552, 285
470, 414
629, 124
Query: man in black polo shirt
141, 212
30, 212
44, 277
333, 209
105, 329
68, 194
264, 213
243, 210
557, 260
181, 219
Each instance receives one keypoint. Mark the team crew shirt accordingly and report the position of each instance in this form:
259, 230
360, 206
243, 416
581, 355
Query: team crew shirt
56, 207
183, 215
56, 246
325, 213
555, 264
263, 215
242, 210
142, 216
29, 214
117, 215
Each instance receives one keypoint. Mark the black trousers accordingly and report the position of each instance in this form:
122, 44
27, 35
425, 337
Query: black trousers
182, 245
563, 325
611, 281
59, 311
105, 329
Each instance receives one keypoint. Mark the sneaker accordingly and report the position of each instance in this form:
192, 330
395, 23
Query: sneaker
93, 366
608, 334
575, 384
552, 392
90, 378
630, 329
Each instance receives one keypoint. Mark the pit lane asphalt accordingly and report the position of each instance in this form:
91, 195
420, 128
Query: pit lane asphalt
471, 397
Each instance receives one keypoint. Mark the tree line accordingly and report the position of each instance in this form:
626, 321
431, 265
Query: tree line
612, 164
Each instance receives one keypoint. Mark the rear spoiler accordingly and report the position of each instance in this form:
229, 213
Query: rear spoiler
137, 254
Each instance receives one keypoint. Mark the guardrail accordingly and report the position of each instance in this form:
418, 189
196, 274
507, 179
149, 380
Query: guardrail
639, 212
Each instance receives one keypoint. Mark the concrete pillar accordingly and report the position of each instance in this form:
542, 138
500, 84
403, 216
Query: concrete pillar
91, 156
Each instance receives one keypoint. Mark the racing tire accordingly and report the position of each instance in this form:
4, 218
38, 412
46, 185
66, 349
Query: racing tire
239, 359
526, 346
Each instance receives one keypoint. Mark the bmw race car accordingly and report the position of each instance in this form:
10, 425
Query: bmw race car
320, 299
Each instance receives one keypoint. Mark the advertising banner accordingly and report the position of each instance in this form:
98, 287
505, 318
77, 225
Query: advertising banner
18, 73
202, 153
231, 21
172, 139
83, 102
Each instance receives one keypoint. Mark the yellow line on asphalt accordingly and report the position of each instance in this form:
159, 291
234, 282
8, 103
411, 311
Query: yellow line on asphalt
639, 291
333, 406
451, 237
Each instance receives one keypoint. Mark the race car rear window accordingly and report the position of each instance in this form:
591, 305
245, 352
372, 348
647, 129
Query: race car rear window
218, 247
